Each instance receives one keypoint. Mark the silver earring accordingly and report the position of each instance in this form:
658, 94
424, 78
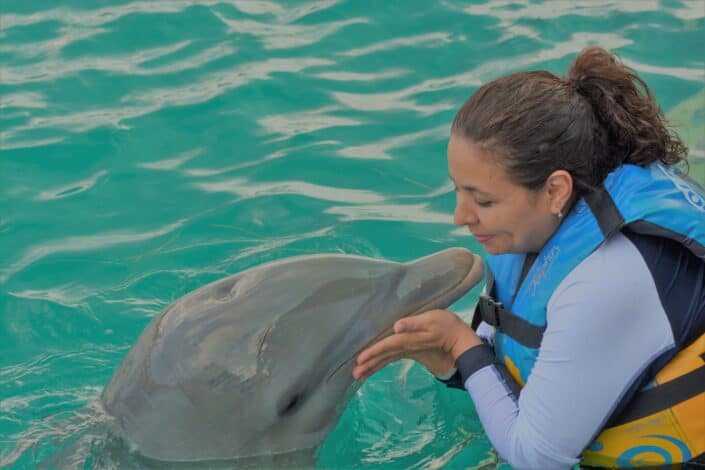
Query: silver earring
560, 215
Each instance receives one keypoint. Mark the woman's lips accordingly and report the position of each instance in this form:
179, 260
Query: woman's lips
483, 238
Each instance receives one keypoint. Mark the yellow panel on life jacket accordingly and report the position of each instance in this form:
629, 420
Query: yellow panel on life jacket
667, 436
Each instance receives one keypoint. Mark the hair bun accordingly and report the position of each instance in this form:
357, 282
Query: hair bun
623, 104
575, 84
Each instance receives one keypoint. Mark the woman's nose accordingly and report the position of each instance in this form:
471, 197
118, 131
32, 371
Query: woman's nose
465, 213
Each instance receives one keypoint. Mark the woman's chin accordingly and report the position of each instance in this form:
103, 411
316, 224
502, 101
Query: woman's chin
493, 250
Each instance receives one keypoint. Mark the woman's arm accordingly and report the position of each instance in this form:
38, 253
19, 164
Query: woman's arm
605, 326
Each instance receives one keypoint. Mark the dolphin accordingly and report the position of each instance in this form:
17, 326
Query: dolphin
260, 362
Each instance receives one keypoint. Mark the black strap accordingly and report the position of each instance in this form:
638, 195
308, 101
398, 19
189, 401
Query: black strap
505, 321
475, 359
520, 330
455, 381
605, 211
664, 396
525, 268
487, 290
472, 360
697, 462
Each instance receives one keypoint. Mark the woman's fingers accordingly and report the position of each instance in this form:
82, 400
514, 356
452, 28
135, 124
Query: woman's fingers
424, 332
387, 350
421, 322
432, 359
372, 366
400, 342
391, 342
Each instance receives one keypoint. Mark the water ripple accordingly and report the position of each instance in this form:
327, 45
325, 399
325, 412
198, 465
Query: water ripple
286, 36
29, 99
201, 172
362, 77
421, 40
51, 47
25, 144
51, 69
72, 189
418, 213
268, 245
282, 13
291, 124
696, 74
380, 150
99, 16
67, 295
135, 64
217, 83
247, 189
383, 102
509, 10
172, 163
141, 103
82, 244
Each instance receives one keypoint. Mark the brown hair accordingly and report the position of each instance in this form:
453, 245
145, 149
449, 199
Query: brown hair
599, 116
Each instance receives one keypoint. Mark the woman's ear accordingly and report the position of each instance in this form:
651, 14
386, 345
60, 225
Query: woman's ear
559, 186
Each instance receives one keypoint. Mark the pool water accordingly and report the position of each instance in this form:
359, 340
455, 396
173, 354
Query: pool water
150, 147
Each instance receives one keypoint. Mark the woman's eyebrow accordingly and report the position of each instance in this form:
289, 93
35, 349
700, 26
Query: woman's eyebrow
470, 188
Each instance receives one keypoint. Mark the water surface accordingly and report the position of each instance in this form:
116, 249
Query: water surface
150, 147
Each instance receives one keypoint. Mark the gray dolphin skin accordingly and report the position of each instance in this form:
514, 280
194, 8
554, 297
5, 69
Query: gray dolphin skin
260, 362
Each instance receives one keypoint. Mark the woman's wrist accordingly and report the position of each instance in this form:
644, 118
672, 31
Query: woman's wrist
447, 375
465, 342
473, 359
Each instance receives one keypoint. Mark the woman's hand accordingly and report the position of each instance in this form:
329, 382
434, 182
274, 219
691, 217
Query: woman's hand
435, 339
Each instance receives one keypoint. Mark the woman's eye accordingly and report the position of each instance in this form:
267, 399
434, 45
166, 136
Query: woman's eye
484, 203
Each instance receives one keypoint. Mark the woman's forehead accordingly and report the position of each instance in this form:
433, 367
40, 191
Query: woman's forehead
473, 168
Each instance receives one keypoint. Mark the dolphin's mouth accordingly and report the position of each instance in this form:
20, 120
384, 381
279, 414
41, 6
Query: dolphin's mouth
414, 311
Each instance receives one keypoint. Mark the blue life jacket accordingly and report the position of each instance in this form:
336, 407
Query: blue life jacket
656, 200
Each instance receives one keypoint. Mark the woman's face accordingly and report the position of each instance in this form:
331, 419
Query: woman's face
505, 217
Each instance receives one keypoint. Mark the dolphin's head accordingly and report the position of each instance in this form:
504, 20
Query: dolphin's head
260, 362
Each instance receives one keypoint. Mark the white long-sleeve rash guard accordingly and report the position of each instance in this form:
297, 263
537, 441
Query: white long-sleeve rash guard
606, 325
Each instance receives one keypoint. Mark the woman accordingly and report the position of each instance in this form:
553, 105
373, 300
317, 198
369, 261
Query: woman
596, 243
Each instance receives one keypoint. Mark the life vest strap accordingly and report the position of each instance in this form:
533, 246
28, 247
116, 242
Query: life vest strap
510, 324
664, 396
604, 209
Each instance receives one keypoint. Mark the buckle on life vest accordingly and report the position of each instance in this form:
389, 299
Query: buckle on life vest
504, 321
489, 309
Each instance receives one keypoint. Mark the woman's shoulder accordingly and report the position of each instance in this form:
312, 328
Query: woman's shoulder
611, 279
610, 296
638, 278
615, 260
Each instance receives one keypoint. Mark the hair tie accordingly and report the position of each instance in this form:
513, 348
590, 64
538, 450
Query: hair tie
576, 85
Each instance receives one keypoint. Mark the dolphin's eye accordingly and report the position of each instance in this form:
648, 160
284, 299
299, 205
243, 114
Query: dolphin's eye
291, 404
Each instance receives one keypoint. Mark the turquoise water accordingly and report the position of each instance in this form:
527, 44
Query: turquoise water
148, 148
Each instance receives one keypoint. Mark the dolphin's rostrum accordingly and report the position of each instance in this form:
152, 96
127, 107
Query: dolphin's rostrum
260, 362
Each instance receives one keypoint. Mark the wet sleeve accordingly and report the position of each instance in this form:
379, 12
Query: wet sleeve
605, 326
453, 379
486, 332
